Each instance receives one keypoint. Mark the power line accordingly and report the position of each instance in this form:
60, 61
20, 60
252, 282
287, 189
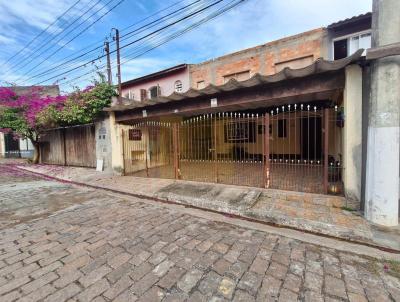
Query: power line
124, 37
41, 33
137, 40
212, 16
138, 22
77, 35
52, 38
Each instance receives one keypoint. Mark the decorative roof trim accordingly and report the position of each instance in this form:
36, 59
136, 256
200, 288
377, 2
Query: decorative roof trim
319, 66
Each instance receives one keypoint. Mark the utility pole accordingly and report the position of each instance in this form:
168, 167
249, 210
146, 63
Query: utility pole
116, 38
107, 50
382, 184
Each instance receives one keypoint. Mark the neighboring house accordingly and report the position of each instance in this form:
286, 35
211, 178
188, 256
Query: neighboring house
295, 51
9, 147
291, 114
164, 82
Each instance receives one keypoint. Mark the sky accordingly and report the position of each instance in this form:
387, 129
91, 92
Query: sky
251, 23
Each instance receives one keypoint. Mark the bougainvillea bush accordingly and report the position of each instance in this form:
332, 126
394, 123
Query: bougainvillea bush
26, 116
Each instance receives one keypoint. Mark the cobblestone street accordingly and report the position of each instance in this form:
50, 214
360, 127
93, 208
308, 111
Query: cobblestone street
88, 245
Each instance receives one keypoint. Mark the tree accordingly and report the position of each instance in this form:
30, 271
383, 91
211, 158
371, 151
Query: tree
28, 115
18, 114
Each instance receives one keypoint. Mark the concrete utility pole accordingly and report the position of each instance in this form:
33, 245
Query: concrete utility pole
118, 65
109, 73
383, 152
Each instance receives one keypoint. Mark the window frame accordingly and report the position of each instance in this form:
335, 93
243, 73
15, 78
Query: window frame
181, 86
348, 37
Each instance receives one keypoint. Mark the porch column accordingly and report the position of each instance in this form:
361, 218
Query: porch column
117, 160
352, 133
382, 183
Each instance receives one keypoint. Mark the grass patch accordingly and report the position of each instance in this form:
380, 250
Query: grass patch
392, 267
348, 209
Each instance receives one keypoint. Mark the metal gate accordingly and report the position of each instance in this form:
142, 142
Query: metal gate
291, 147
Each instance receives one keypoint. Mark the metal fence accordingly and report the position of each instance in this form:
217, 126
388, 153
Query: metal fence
292, 147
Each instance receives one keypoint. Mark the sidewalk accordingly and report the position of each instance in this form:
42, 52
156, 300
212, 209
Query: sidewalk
319, 214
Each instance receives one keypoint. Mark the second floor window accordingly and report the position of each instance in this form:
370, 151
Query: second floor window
346, 46
178, 86
154, 92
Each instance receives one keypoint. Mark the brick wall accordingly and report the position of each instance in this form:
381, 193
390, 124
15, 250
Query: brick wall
294, 51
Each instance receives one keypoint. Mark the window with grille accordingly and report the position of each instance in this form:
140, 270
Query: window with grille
178, 86
239, 132
135, 134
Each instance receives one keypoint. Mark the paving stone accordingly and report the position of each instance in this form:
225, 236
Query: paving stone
67, 278
161, 269
226, 287
127, 295
140, 287
208, 285
64, 294
189, 280
141, 270
119, 272
15, 283
335, 287
313, 282
119, 260
232, 255
46, 269
176, 297
197, 297
106, 248
292, 282
172, 277
269, 290
259, 265
357, 298
311, 296
11, 296
242, 296
155, 294
157, 258
250, 282
94, 290
37, 283
287, 295
38, 294
120, 286
221, 266
94, 276
237, 269
204, 246
277, 270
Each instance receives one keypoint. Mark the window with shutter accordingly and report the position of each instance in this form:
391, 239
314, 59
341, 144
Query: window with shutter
143, 94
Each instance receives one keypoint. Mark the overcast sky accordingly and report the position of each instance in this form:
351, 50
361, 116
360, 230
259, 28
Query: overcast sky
251, 23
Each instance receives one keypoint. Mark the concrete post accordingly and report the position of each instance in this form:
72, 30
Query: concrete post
117, 160
382, 183
352, 134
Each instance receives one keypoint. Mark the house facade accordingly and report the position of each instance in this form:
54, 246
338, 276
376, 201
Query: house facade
291, 114
164, 82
